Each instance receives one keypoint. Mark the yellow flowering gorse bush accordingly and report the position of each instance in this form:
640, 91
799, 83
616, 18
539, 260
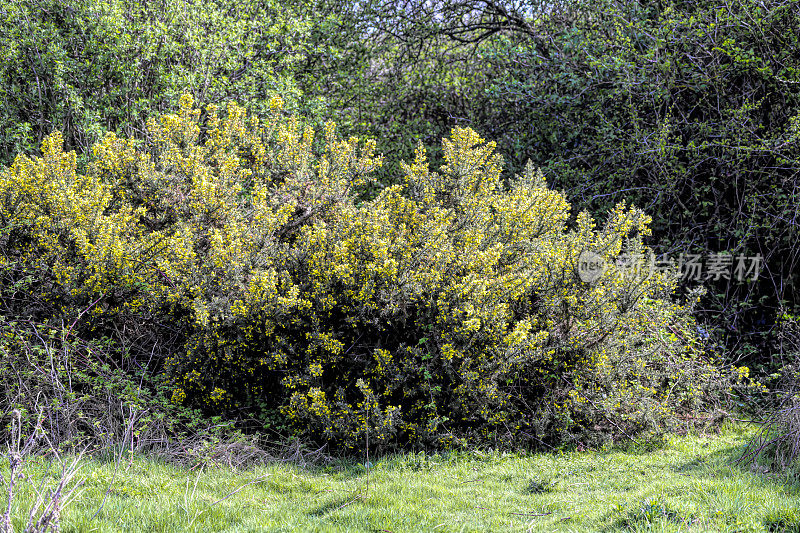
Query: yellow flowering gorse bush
447, 309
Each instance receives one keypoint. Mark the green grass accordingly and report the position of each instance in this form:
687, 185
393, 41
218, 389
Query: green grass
689, 484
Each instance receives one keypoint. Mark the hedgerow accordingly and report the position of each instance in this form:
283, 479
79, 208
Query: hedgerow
689, 108
241, 258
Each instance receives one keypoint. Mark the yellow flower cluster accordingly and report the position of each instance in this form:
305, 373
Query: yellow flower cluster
444, 308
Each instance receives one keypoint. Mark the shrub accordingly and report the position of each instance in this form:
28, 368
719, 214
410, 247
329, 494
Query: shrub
450, 308
777, 445
87, 67
689, 108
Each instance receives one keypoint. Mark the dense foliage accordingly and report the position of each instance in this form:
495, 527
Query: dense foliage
264, 264
85, 67
687, 109
239, 260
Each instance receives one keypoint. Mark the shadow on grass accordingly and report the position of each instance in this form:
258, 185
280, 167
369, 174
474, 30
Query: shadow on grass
334, 505
714, 464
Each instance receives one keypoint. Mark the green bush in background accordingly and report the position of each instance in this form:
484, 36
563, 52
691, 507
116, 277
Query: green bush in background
86, 67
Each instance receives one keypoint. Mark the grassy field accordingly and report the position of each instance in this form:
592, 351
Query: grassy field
689, 484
